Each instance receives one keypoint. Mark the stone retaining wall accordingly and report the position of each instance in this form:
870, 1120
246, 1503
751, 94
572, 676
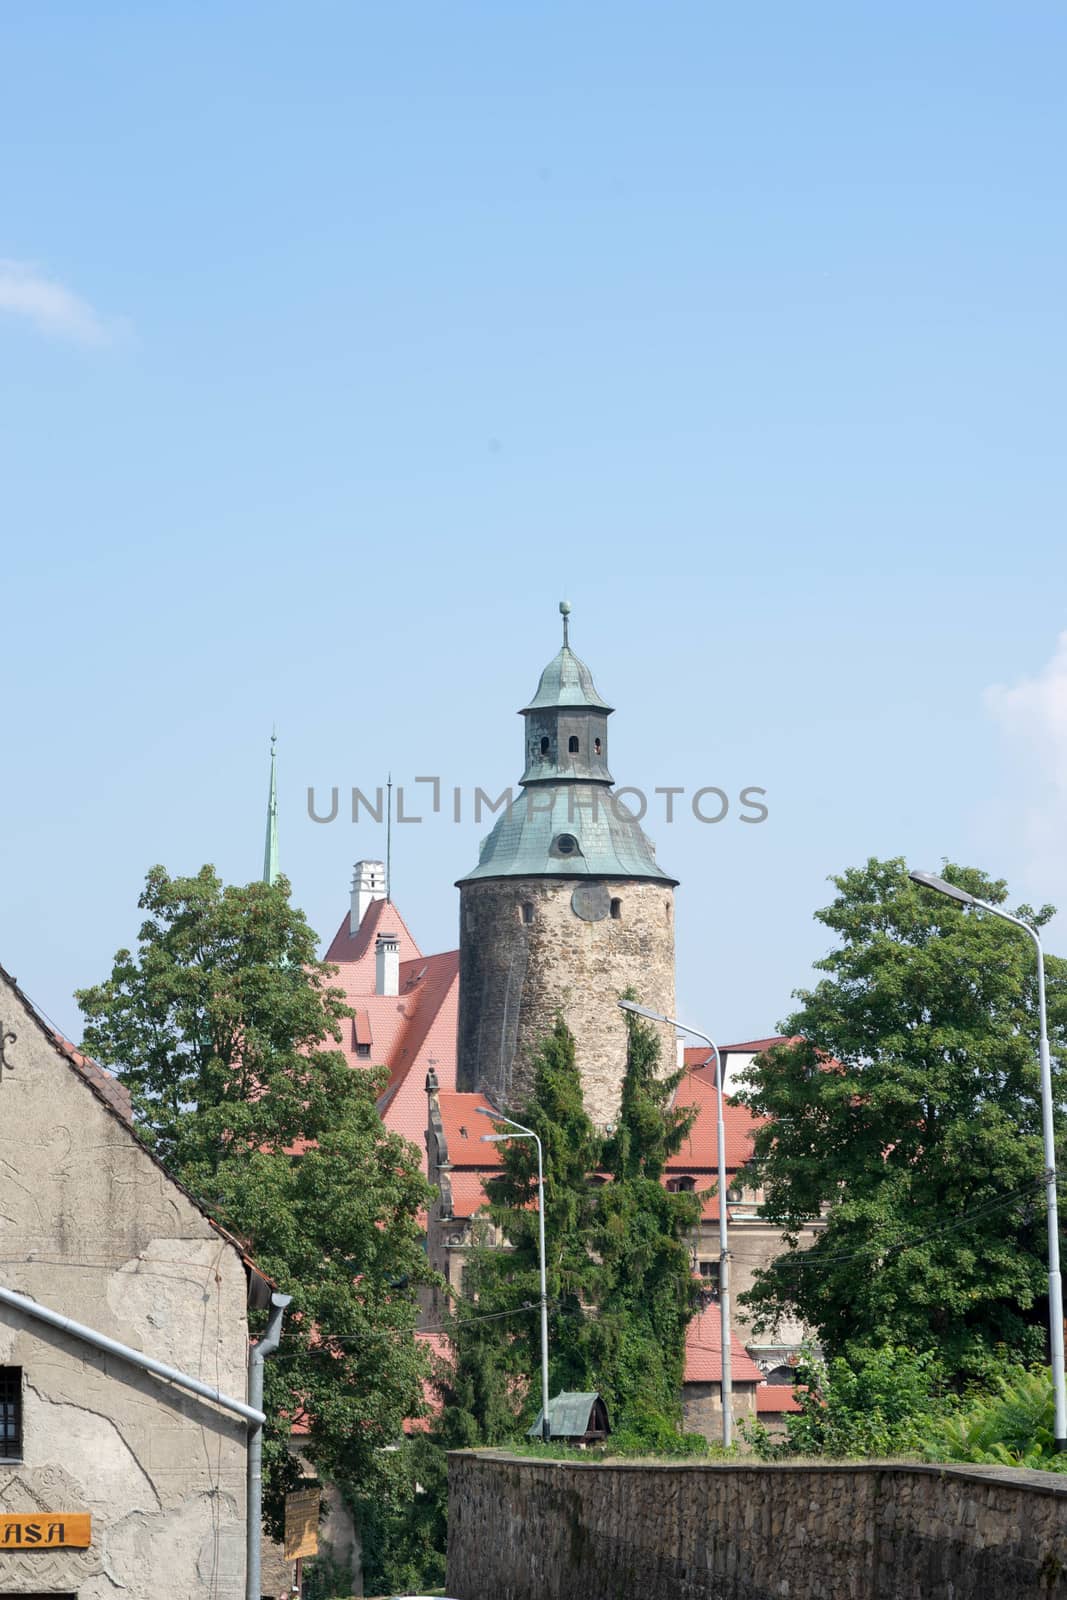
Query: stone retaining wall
546, 1530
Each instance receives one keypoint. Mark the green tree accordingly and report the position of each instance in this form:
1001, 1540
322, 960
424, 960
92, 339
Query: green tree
906, 1107
866, 1402
494, 1377
643, 1239
618, 1265
224, 1027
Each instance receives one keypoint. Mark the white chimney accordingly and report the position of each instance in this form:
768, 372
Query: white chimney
387, 964
368, 884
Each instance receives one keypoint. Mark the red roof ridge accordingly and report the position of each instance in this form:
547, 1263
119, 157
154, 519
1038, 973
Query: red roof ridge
348, 946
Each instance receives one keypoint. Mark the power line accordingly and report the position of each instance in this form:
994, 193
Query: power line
814, 1259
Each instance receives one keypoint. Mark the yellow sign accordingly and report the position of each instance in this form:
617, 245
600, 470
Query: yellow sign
301, 1524
45, 1530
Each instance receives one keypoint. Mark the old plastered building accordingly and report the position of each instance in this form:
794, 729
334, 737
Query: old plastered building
566, 910
113, 1481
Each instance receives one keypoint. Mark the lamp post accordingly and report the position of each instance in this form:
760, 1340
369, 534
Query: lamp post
500, 1138
724, 1251
929, 880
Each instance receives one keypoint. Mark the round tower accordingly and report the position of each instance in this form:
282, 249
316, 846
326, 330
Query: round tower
566, 909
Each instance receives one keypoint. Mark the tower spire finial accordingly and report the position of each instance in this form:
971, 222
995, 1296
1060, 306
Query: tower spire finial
565, 611
389, 840
270, 851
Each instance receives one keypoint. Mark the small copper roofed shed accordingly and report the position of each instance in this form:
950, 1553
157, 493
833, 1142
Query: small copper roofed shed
578, 1418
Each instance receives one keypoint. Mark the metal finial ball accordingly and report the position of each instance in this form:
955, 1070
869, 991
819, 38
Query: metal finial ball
564, 608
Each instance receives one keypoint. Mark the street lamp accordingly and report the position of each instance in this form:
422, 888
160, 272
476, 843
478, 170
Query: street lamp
501, 1138
929, 880
727, 1390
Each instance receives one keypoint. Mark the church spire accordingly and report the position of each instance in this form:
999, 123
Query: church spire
270, 851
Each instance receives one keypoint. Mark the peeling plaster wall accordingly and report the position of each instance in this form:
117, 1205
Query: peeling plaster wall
92, 1228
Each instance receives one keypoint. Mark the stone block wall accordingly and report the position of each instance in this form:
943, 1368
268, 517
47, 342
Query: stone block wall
524, 1530
516, 974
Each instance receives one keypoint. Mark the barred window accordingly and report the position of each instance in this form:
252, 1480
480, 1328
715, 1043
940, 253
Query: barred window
11, 1413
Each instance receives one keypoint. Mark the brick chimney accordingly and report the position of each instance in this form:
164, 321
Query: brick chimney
368, 885
387, 964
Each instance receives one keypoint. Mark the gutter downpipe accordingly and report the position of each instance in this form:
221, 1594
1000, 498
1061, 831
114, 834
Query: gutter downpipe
137, 1358
254, 1497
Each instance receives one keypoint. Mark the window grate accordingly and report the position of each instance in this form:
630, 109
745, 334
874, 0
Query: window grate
11, 1413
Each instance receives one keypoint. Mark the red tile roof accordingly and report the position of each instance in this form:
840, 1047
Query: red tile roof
407, 1032
464, 1125
381, 916
699, 1153
696, 1055
110, 1088
772, 1397
361, 1030
468, 1192
703, 1352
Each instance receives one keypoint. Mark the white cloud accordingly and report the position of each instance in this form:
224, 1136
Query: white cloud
1035, 711
53, 309
1033, 717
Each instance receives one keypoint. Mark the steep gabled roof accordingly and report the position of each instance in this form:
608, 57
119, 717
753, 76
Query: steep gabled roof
406, 1032
115, 1097
381, 916
703, 1351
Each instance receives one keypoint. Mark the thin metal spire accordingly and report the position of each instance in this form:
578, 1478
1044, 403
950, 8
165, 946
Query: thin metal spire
270, 851
565, 611
389, 841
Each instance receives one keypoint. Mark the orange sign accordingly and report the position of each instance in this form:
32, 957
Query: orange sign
301, 1524
46, 1530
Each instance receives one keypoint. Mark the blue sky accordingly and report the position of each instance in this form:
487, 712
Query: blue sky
339, 342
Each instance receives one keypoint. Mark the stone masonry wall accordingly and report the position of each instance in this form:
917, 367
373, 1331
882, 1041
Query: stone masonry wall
91, 1227
516, 975
523, 1530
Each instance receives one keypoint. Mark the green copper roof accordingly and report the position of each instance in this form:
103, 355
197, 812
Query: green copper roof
270, 849
566, 681
569, 1415
531, 838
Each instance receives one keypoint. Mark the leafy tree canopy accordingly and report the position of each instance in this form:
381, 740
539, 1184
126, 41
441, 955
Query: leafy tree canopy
618, 1263
224, 1026
906, 1107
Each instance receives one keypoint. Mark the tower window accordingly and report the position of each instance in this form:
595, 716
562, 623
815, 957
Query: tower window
11, 1413
527, 911
616, 909
596, 747
544, 745
572, 744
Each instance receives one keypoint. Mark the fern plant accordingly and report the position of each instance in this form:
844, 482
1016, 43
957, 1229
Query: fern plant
1010, 1426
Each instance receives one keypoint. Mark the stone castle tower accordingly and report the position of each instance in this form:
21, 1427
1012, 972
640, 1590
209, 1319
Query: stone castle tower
566, 909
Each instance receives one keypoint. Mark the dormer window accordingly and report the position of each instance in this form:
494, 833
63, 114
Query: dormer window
572, 744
